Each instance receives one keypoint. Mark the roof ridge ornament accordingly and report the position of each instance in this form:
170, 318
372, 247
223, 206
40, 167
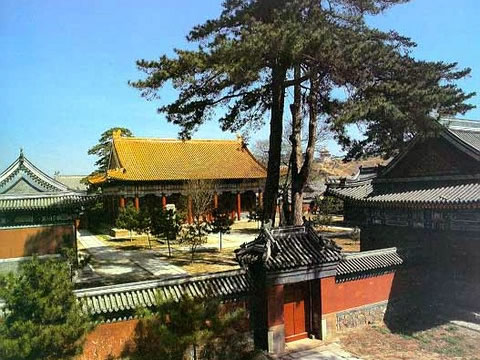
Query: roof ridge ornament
21, 156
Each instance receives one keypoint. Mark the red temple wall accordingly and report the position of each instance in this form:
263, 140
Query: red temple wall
42, 240
108, 341
337, 297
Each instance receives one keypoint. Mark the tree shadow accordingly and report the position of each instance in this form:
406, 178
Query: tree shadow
48, 241
424, 298
245, 231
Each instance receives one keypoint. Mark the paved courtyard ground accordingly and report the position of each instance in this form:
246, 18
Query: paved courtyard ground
119, 260
316, 350
110, 265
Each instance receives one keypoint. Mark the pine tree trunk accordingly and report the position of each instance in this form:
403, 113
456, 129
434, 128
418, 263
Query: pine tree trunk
300, 177
275, 145
296, 155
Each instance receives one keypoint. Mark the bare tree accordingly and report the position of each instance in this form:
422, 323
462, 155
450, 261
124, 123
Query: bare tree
200, 193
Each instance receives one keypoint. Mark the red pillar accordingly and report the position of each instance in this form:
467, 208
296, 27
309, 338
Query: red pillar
239, 205
137, 203
189, 210
164, 201
215, 200
122, 202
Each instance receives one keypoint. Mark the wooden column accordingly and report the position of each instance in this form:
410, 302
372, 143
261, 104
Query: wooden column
137, 203
122, 202
215, 200
164, 201
189, 210
239, 206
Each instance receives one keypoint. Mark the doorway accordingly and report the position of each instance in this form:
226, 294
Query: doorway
295, 310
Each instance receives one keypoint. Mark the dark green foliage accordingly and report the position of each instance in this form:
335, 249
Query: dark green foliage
195, 234
244, 61
95, 214
104, 146
144, 224
44, 319
221, 224
175, 329
325, 207
166, 224
128, 219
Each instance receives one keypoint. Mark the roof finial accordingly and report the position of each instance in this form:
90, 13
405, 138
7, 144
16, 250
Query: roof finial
21, 156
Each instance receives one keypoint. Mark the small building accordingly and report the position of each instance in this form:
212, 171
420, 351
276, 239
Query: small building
426, 201
150, 172
303, 285
37, 213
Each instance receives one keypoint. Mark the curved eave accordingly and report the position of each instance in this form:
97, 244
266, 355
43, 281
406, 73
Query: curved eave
433, 204
112, 178
35, 203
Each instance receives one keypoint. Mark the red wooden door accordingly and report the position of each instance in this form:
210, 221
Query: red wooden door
294, 312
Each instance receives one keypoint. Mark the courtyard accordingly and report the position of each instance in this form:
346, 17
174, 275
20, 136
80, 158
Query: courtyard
113, 260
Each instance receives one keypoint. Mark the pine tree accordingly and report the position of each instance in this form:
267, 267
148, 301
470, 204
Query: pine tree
246, 58
103, 148
128, 219
166, 224
44, 320
221, 224
144, 224
202, 328
195, 234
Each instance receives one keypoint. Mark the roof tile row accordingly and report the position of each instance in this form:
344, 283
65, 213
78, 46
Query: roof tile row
129, 297
368, 261
462, 194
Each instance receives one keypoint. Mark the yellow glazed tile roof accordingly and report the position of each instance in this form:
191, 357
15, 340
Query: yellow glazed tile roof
143, 159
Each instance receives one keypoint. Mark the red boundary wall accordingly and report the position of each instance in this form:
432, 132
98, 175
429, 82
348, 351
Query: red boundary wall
351, 294
109, 340
42, 240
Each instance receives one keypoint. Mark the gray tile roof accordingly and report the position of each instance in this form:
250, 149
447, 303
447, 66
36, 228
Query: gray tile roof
465, 134
74, 182
369, 260
22, 177
64, 200
459, 195
288, 248
470, 137
126, 298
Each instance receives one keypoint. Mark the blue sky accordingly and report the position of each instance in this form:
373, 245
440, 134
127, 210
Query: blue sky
65, 65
